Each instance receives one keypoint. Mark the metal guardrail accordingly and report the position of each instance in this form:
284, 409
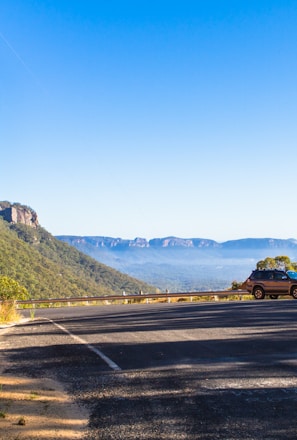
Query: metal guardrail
168, 296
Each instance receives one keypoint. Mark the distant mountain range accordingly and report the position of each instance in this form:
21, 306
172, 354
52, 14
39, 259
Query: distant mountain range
183, 264
175, 242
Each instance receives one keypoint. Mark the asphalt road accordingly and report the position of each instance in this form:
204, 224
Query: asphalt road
170, 371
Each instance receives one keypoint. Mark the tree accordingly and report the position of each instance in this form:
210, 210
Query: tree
11, 290
282, 262
268, 263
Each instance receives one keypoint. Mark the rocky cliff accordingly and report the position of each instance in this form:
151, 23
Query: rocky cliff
16, 213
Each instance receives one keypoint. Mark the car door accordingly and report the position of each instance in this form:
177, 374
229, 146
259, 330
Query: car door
268, 281
281, 282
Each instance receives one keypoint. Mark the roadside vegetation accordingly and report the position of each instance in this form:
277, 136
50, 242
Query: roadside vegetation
10, 291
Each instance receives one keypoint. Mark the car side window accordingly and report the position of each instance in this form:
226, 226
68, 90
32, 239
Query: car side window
280, 276
262, 275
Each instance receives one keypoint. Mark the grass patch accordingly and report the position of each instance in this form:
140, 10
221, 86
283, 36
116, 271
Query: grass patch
8, 312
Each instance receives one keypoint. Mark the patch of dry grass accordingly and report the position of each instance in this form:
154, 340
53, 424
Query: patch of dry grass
8, 313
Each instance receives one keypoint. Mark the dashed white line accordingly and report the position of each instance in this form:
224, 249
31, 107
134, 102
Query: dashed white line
95, 350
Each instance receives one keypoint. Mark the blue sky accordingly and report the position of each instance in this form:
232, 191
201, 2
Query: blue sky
151, 118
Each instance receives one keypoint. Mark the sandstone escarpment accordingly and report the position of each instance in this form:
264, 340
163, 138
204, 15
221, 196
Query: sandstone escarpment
16, 213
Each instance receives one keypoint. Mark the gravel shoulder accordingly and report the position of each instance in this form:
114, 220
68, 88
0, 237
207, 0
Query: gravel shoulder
36, 408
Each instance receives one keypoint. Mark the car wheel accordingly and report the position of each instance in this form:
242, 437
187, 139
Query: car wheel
294, 292
259, 293
273, 296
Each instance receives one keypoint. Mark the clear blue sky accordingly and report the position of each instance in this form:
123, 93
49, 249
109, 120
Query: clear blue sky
151, 118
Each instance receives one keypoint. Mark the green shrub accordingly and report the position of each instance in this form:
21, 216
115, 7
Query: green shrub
10, 291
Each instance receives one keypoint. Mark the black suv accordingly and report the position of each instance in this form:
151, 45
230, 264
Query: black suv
272, 282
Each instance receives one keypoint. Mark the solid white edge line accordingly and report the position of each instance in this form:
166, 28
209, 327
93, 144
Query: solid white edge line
95, 350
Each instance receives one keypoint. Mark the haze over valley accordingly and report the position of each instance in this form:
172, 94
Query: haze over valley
179, 264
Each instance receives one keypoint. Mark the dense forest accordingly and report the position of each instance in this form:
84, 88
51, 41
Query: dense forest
49, 268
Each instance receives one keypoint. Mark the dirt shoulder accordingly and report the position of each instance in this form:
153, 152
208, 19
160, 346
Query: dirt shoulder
37, 408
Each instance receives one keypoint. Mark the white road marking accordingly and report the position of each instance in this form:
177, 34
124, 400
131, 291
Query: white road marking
95, 350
